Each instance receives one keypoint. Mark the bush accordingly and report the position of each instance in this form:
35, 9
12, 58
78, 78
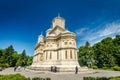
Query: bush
103, 78
105, 68
37, 78
13, 77
88, 78
93, 78
48, 79
115, 78
3, 66
116, 68
19, 77
94, 67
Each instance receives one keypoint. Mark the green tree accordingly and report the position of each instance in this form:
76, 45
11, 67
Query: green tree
29, 60
86, 55
11, 57
104, 53
8, 55
14, 59
22, 61
116, 49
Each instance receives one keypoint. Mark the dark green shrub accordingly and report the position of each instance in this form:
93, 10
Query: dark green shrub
48, 79
102, 78
95, 78
19, 77
3, 66
13, 77
94, 67
105, 68
115, 78
89, 78
116, 68
36, 78
28, 79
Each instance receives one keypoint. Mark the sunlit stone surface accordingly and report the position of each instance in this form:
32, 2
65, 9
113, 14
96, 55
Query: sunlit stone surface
58, 49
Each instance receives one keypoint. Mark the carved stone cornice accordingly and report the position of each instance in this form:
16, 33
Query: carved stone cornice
60, 48
61, 36
37, 45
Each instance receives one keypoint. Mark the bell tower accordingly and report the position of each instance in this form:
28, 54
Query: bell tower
58, 21
40, 38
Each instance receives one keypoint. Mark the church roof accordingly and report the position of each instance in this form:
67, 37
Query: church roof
56, 28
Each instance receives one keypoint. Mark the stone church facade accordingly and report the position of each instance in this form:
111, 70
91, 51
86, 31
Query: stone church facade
58, 48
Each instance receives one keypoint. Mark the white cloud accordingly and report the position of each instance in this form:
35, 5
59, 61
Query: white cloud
80, 31
110, 28
101, 31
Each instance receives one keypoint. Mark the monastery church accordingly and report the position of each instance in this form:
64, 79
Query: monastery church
58, 48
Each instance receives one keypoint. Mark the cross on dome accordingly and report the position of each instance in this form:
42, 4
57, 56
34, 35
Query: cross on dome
58, 14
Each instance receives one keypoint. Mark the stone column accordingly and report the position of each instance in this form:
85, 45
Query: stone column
73, 56
48, 55
76, 54
68, 54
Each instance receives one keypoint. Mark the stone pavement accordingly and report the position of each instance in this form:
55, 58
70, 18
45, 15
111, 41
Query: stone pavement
62, 75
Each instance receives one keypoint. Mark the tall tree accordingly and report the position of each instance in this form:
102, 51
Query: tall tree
22, 61
12, 58
103, 53
87, 44
85, 55
8, 55
116, 49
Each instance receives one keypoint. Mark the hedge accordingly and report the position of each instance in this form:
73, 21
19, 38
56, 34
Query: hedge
3, 66
116, 68
102, 78
94, 67
95, 78
19, 77
13, 77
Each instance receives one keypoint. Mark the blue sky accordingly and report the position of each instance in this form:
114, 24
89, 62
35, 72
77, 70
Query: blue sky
22, 21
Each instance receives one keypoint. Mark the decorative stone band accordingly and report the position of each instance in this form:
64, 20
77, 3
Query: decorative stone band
60, 49
37, 46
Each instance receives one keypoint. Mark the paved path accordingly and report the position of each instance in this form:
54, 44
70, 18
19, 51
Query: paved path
63, 75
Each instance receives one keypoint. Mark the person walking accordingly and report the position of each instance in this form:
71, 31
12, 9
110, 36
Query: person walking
76, 70
15, 68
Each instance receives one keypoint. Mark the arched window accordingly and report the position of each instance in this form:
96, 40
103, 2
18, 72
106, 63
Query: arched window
57, 55
74, 43
75, 54
66, 54
70, 54
50, 55
46, 55
65, 43
70, 43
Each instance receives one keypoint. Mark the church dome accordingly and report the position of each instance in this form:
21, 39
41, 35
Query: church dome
58, 21
58, 17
